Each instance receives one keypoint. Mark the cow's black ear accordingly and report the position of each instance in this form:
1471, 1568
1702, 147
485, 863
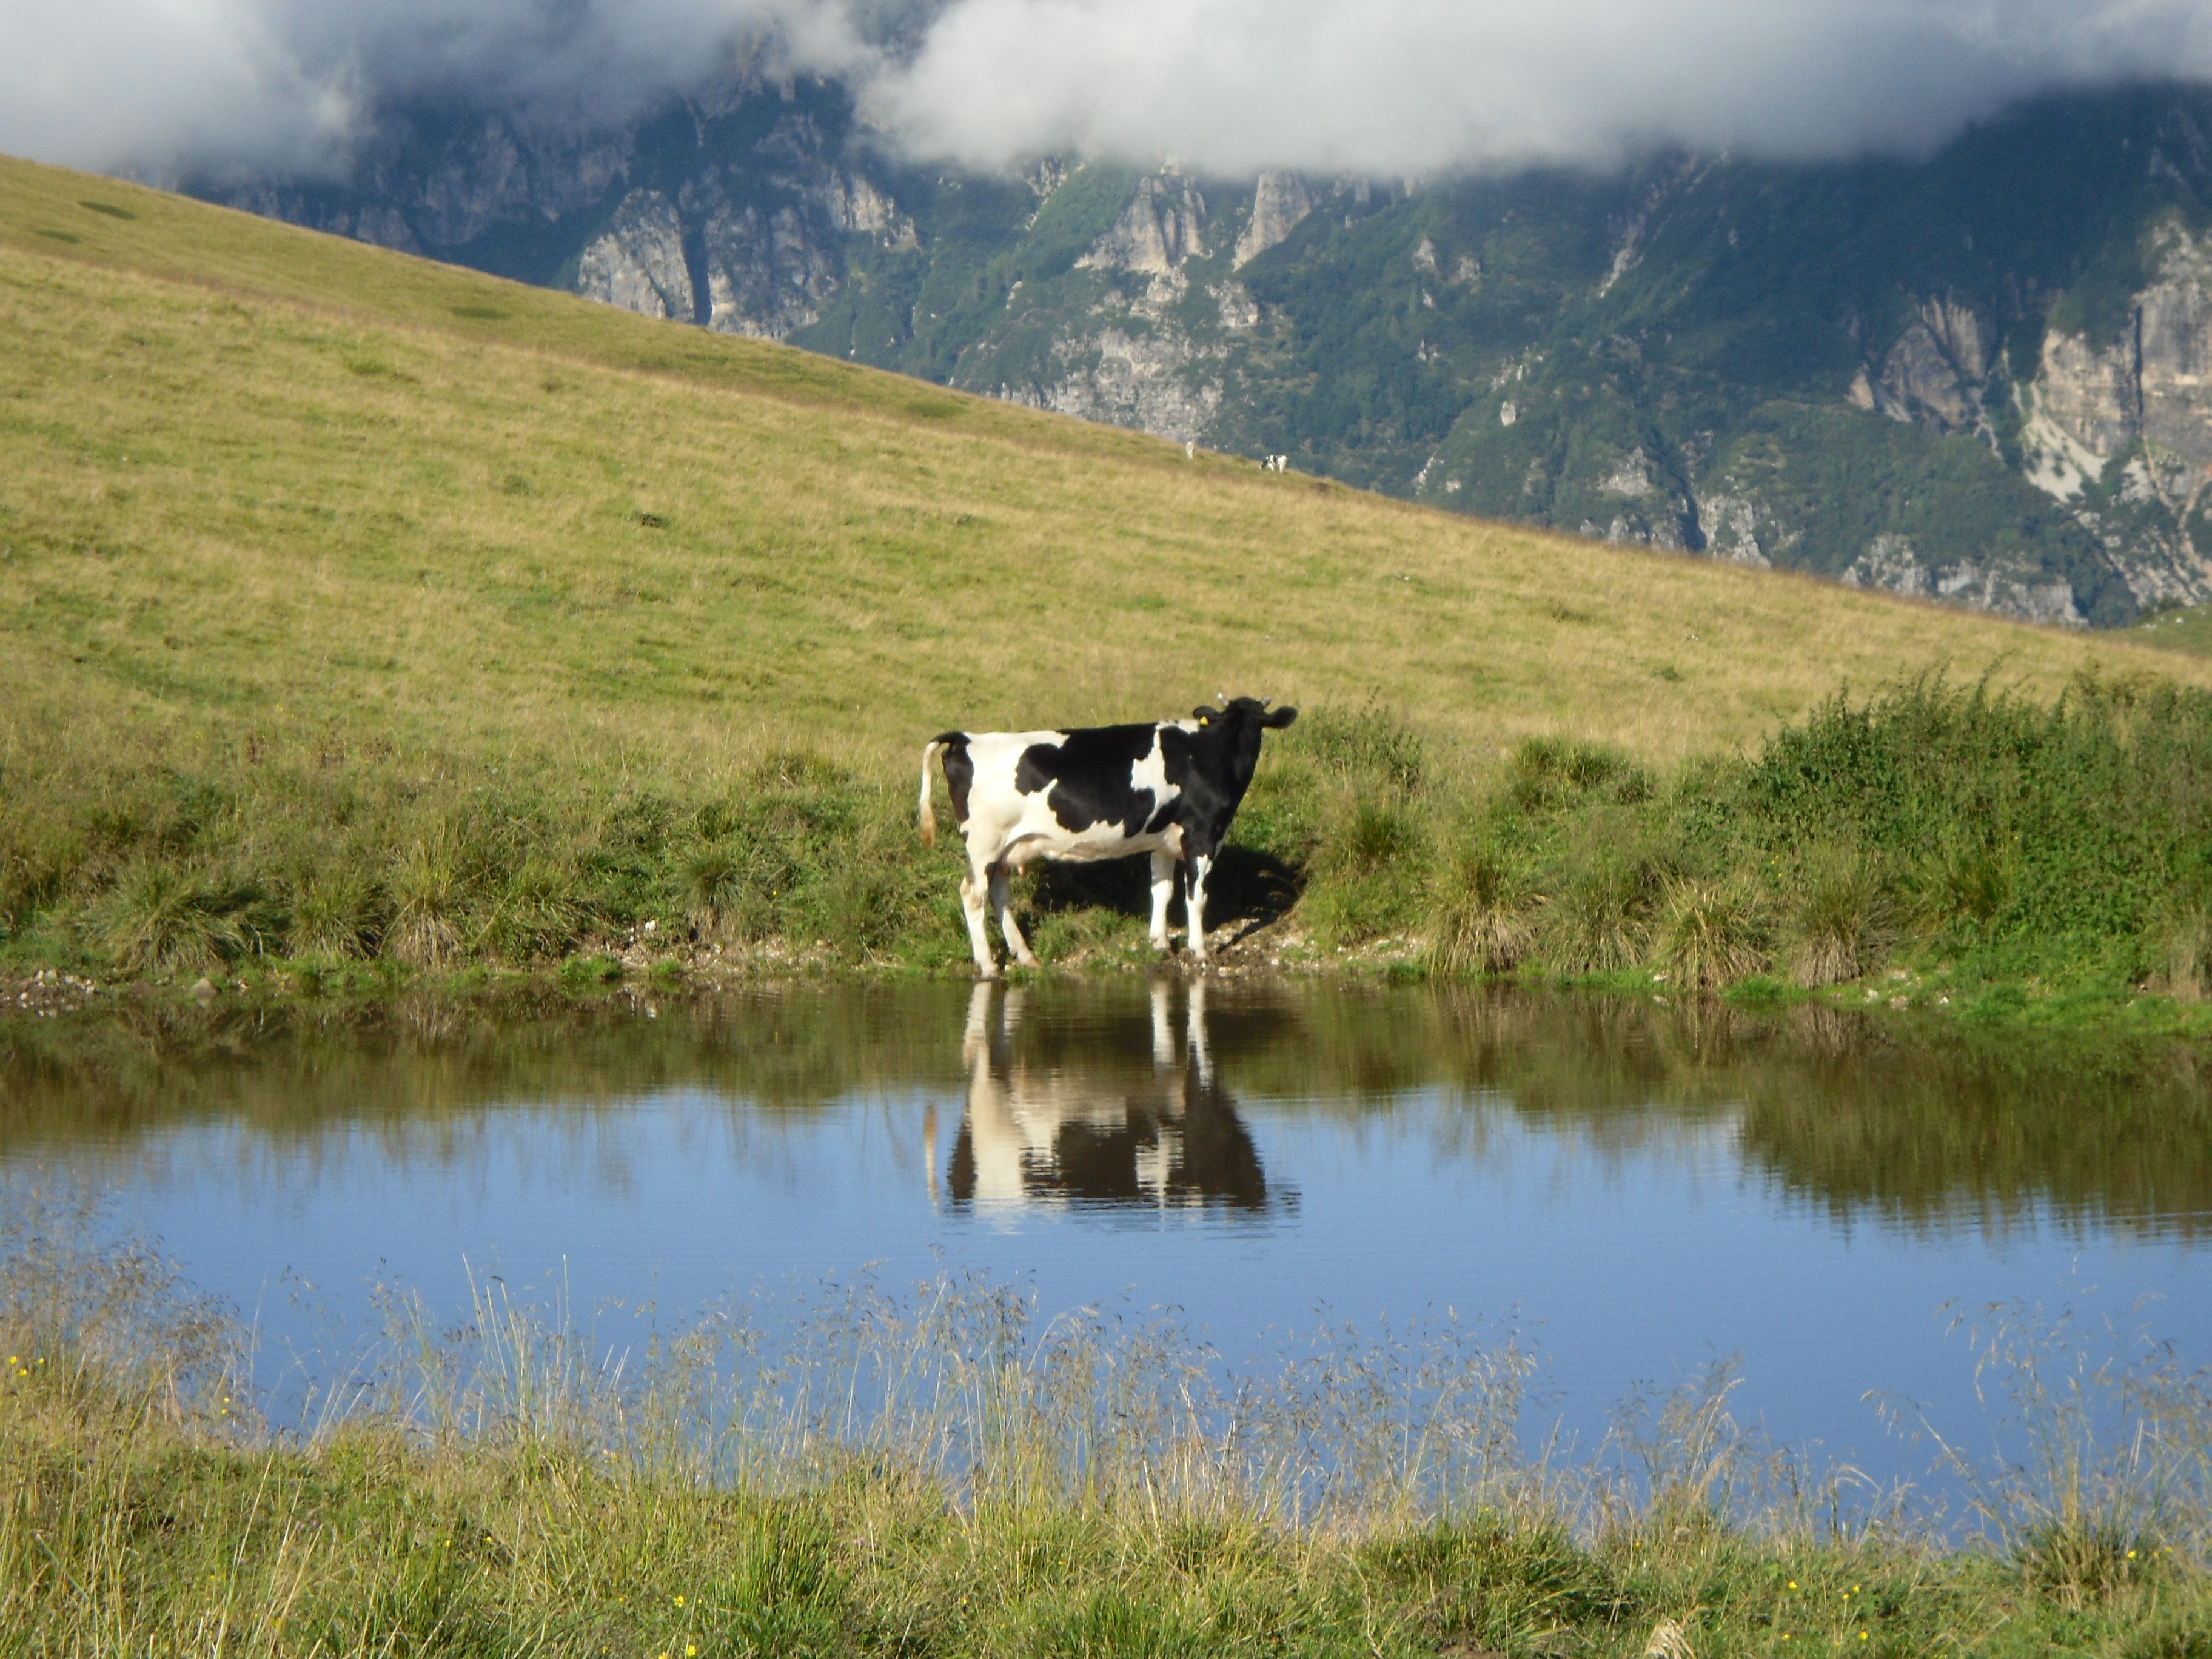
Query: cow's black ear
1280, 718
1202, 714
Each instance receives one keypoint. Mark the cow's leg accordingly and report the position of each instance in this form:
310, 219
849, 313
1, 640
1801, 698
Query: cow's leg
1195, 1043
1162, 1033
976, 1038
1163, 869
1193, 903
975, 886
1007, 925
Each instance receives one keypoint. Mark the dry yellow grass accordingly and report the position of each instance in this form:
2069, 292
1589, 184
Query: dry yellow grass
254, 476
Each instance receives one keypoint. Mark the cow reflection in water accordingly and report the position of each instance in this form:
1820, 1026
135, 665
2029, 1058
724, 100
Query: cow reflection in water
1105, 1124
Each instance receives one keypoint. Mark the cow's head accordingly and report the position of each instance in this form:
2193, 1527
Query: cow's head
1237, 711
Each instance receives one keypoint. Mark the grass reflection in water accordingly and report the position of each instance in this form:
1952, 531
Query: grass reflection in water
1953, 1131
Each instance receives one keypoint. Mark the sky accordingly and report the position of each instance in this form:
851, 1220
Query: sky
1384, 87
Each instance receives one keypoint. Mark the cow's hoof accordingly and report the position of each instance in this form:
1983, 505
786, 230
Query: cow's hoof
988, 973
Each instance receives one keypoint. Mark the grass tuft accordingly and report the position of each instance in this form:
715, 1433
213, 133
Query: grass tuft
338, 916
1709, 934
2181, 954
1597, 917
1838, 916
1549, 771
428, 908
1481, 913
160, 919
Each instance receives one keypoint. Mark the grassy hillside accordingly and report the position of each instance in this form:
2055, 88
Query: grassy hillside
345, 598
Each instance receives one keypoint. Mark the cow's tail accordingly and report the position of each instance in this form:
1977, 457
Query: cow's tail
928, 813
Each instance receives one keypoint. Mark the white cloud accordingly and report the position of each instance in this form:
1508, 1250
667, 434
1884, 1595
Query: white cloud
1383, 87
113, 83
1416, 86
165, 86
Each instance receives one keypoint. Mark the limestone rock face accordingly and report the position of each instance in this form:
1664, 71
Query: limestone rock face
1281, 202
2091, 394
1741, 529
1935, 373
756, 249
637, 263
1130, 379
1238, 309
2154, 381
1130, 362
857, 208
768, 273
2148, 395
2174, 354
1157, 232
1890, 563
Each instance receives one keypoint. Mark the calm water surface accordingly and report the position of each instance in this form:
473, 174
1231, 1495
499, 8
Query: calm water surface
1638, 1189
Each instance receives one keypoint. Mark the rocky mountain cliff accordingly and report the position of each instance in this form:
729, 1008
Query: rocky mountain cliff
1985, 378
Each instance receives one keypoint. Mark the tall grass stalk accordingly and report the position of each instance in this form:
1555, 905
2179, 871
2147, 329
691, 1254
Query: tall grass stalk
2100, 1476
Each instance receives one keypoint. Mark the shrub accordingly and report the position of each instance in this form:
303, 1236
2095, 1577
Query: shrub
1548, 772
1364, 869
1372, 745
1969, 881
38, 862
712, 883
2181, 949
537, 913
1365, 836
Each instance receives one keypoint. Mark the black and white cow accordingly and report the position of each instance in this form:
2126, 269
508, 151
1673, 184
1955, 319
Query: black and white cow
1169, 788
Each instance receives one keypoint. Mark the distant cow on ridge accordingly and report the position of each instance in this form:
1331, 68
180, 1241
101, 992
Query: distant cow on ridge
1169, 788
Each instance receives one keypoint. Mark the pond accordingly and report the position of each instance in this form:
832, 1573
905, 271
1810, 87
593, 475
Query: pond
1637, 1189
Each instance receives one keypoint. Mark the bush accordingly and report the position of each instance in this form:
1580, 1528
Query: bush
1547, 772
2181, 949
536, 915
1373, 746
1366, 869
